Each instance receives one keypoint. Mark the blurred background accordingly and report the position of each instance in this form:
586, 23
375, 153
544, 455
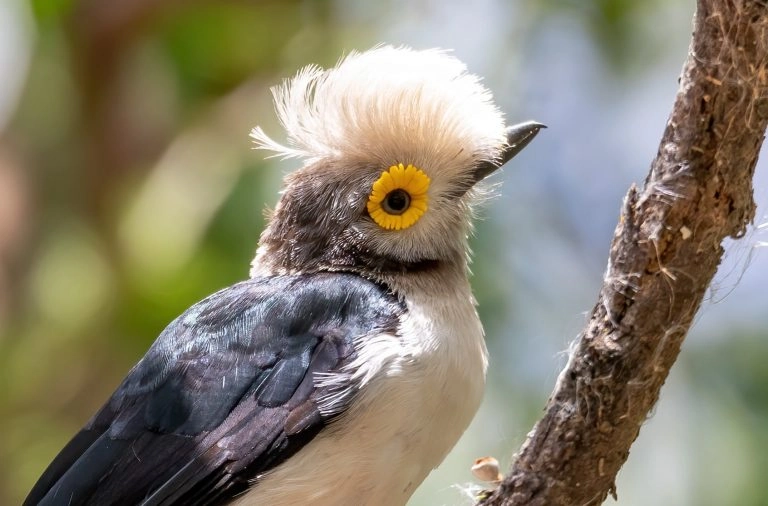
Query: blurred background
129, 190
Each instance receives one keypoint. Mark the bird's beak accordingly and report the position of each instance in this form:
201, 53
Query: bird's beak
518, 137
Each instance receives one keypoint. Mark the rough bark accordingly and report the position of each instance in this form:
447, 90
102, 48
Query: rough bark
665, 251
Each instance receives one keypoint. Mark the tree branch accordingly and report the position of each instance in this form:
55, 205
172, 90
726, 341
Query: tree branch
665, 251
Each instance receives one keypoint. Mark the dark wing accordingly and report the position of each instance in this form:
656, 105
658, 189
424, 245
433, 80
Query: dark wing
224, 394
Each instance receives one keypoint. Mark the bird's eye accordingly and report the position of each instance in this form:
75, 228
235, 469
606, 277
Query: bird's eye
396, 202
399, 197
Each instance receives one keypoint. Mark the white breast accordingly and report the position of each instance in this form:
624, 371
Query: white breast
403, 423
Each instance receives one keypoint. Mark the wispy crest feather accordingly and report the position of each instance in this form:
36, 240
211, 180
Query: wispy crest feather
386, 104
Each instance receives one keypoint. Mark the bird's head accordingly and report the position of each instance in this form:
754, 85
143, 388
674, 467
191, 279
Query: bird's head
394, 142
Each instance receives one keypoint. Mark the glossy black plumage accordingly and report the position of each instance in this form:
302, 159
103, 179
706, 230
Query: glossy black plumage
224, 394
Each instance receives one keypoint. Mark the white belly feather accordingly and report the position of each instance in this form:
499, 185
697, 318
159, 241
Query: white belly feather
403, 422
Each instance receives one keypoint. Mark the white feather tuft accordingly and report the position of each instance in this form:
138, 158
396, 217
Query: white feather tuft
384, 105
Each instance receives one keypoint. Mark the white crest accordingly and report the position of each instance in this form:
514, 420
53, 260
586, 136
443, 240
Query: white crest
385, 105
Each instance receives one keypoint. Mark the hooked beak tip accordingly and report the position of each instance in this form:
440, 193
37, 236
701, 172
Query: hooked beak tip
518, 137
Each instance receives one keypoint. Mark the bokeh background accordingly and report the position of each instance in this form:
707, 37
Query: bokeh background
129, 190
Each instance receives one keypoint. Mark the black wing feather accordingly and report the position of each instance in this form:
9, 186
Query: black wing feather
224, 394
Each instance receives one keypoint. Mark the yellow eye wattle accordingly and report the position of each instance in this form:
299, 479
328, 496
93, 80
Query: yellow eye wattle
399, 197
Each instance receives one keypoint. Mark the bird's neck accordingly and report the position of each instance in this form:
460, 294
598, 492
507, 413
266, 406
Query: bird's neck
402, 277
285, 257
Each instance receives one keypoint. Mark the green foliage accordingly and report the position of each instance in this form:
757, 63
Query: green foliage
51, 10
215, 47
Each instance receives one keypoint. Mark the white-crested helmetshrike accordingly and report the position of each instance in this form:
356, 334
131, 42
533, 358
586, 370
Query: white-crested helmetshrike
349, 364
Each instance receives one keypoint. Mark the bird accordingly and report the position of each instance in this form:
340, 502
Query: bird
352, 358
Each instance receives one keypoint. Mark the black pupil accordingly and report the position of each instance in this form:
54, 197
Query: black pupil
397, 201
